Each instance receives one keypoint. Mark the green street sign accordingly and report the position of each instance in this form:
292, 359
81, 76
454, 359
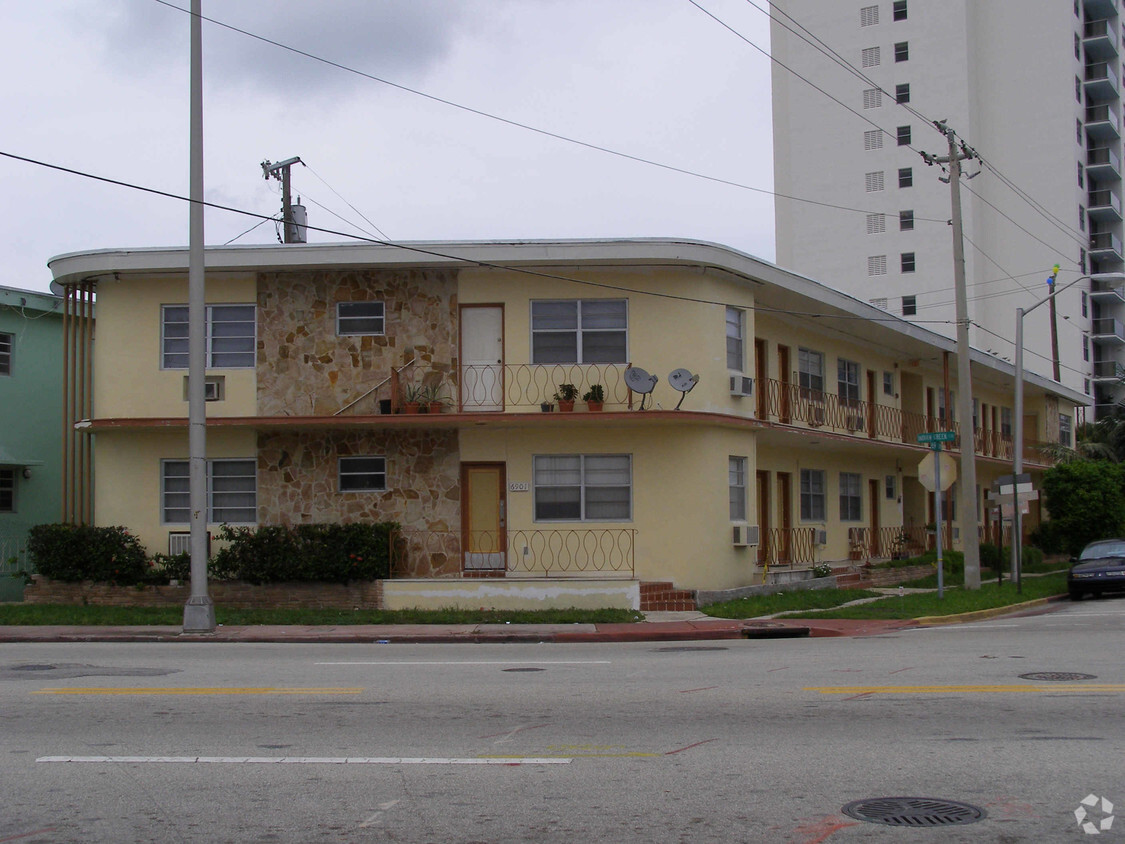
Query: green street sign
937, 437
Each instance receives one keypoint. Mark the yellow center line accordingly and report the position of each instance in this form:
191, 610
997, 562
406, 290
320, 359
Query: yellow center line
626, 755
906, 690
186, 690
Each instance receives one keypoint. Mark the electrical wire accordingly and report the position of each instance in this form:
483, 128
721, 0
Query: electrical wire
379, 230
259, 223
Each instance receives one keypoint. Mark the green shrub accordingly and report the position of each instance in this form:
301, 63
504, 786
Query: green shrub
168, 567
72, 553
990, 556
1086, 501
1030, 557
327, 553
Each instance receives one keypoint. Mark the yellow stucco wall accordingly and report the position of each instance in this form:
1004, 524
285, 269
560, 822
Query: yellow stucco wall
129, 381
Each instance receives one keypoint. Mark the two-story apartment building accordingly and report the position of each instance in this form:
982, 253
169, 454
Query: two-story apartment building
796, 444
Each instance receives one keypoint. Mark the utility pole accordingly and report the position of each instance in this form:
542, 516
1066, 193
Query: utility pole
292, 215
970, 539
1054, 322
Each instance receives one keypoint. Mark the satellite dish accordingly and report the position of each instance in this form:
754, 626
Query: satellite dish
639, 381
682, 380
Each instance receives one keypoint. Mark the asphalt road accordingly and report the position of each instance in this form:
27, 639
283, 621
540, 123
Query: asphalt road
756, 741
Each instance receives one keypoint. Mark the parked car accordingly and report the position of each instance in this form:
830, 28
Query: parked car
1099, 568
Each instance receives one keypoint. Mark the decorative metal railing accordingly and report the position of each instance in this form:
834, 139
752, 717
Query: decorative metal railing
508, 386
865, 543
603, 552
787, 546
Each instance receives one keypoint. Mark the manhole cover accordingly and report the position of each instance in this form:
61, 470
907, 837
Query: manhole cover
688, 648
32, 668
913, 811
1057, 675
518, 670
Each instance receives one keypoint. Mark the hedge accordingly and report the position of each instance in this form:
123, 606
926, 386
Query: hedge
328, 553
72, 553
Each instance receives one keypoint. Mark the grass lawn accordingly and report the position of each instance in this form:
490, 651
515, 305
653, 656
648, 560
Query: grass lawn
39, 614
797, 599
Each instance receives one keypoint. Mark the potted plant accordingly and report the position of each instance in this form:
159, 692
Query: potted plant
546, 406
435, 401
594, 397
566, 396
415, 394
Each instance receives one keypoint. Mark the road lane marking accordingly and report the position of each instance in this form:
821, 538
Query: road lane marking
187, 690
906, 690
312, 760
382, 808
480, 662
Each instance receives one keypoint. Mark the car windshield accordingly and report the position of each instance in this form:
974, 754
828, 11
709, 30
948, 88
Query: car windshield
1103, 549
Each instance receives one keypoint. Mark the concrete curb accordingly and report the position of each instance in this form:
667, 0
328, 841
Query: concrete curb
978, 615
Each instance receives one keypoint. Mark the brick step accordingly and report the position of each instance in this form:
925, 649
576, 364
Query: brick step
664, 597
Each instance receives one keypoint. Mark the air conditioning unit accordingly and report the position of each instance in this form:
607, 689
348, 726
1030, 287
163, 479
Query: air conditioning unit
744, 535
741, 385
816, 415
821, 537
179, 542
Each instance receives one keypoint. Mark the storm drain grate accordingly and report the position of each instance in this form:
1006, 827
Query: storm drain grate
913, 811
1057, 675
688, 648
520, 670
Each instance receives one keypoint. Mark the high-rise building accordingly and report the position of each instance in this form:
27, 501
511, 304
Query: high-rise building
1034, 87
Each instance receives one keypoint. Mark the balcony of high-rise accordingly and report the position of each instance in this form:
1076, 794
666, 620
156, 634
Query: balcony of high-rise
1107, 331
1099, 38
1101, 82
1107, 292
1098, 9
1108, 371
1103, 164
1103, 205
1102, 122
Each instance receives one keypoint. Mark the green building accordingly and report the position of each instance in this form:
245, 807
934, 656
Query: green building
31, 414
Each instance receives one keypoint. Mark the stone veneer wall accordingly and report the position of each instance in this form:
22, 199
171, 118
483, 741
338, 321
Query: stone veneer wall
298, 483
304, 369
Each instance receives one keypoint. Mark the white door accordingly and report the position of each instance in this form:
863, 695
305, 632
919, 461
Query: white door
482, 358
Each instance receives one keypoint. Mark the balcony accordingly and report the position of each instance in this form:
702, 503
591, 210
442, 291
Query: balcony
1105, 246
1107, 332
1099, 39
1108, 371
1104, 205
1102, 122
1111, 292
1096, 9
1101, 81
1103, 164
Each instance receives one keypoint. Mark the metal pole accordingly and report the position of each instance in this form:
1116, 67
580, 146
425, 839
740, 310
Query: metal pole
938, 517
199, 612
1017, 447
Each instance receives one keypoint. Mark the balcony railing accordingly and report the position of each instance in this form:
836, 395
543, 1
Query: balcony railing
1101, 80
1104, 204
787, 546
521, 386
1103, 162
1099, 39
1105, 245
1107, 290
1102, 121
1108, 370
1107, 330
578, 552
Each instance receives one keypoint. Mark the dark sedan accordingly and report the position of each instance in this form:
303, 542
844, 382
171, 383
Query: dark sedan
1099, 568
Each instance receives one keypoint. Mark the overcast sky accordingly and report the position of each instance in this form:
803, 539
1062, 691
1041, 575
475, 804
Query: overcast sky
102, 86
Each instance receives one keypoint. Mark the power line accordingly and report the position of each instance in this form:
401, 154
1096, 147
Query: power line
379, 230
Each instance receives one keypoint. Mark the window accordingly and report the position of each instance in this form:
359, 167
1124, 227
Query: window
906, 177
976, 414
906, 261
736, 478
6, 354
810, 372
1081, 175
1086, 386
899, 10
812, 495
870, 57
941, 405
873, 139
869, 16
7, 490
876, 265
902, 134
1081, 218
906, 221
909, 305
890, 487
1085, 304
873, 182
1077, 46
232, 492
872, 98
1077, 89
1085, 347
876, 223
1005, 421
1064, 430
735, 355
583, 487
847, 382
851, 502
579, 331
229, 331
888, 383
362, 474
1081, 260
902, 51
359, 318
1078, 128
902, 93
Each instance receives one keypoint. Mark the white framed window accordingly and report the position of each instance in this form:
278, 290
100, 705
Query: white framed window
876, 223
902, 51
232, 491
812, 495
873, 139
1006, 421
7, 490
736, 479
870, 57
1085, 347
873, 182
736, 356
579, 331
362, 474
888, 383
230, 336
1065, 431
847, 382
872, 98
810, 372
909, 305
890, 487
869, 16
876, 265
583, 487
898, 10
907, 262
905, 221
902, 135
360, 318
5, 354
851, 501
1085, 304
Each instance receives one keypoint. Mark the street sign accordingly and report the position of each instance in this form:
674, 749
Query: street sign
927, 471
937, 437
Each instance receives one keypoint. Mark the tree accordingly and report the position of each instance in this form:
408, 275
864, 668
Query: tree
1086, 501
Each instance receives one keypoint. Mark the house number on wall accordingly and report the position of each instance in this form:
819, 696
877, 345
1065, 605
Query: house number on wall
519, 486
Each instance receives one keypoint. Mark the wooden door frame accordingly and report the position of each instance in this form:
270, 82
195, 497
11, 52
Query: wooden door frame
764, 520
783, 364
875, 498
785, 516
503, 352
503, 512
761, 373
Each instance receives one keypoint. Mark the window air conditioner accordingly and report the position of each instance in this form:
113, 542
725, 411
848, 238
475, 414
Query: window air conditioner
744, 535
821, 537
816, 415
179, 542
741, 385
